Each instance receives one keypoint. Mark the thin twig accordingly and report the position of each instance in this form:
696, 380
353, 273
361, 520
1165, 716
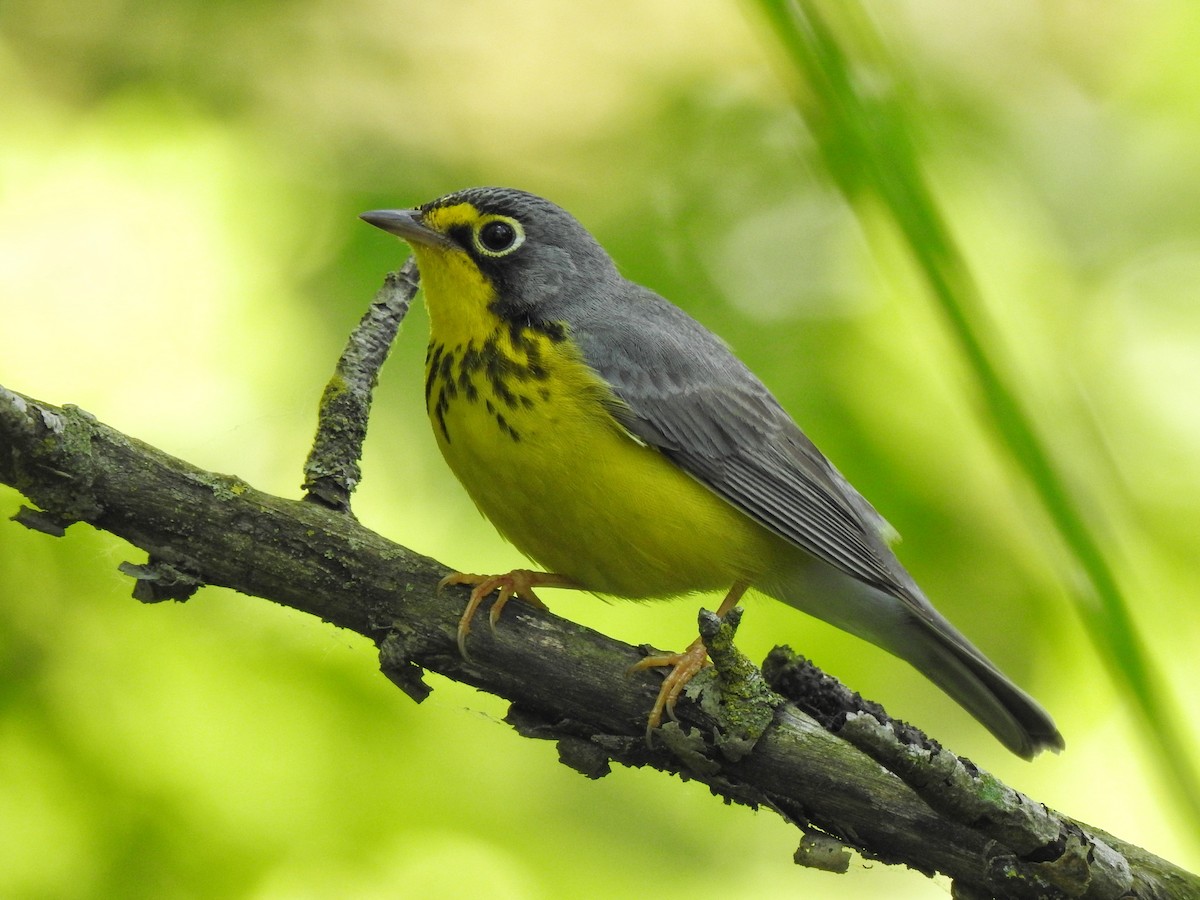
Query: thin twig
331, 472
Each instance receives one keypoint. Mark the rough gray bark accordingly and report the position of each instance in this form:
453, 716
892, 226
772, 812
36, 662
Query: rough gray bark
331, 471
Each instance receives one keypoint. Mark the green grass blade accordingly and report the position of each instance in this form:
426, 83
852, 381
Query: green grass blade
867, 145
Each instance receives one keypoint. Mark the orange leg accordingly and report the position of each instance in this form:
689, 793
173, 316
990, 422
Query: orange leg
517, 583
684, 666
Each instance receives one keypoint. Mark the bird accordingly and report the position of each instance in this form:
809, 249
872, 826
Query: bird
623, 448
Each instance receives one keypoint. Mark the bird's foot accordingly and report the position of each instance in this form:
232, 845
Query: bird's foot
684, 667
517, 583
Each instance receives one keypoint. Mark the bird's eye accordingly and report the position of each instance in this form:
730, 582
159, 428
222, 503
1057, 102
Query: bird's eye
499, 236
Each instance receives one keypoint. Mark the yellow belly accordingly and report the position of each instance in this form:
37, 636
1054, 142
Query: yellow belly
554, 472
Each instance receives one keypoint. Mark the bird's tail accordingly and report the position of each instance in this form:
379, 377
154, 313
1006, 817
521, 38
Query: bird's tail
943, 655
913, 630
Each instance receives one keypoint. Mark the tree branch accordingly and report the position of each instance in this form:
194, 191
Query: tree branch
850, 778
567, 683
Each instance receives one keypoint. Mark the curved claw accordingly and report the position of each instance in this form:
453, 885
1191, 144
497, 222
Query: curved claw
507, 592
517, 583
684, 667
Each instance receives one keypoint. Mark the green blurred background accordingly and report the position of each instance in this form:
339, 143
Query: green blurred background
179, 254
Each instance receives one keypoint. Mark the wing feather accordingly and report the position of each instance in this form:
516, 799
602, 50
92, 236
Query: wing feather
677, 387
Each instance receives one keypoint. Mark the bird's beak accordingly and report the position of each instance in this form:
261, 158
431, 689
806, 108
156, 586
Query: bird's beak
406, 224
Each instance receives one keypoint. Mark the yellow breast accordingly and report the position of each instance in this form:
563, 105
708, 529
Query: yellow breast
523, 423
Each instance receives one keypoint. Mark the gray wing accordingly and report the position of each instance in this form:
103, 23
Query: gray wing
679, 388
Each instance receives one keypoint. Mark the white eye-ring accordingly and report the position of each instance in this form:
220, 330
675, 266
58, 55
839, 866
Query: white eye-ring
498, 236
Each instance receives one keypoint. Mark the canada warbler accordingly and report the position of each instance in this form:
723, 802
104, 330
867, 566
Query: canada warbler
621, 445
